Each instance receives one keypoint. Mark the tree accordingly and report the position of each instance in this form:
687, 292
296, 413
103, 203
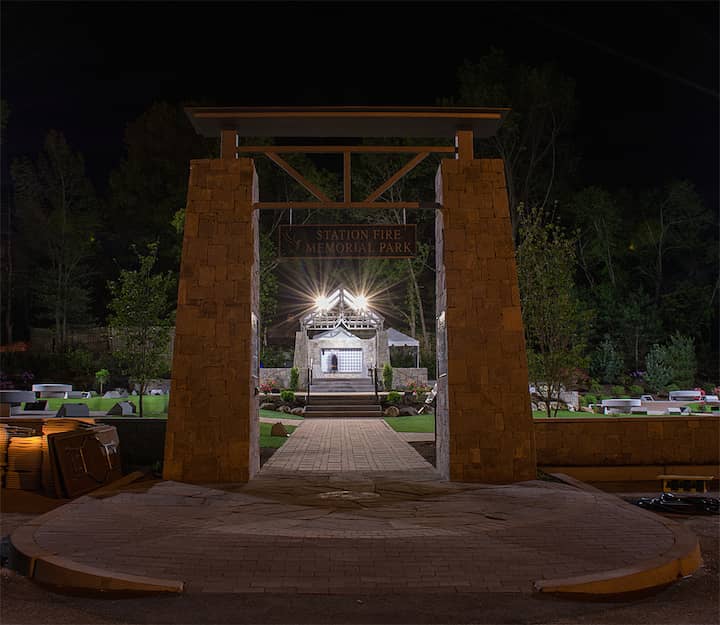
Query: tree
680, 355
606, 363
268, 284
532, 140
58, 219
551, 313
149, 186
139, 322
417, 274
387, 376
4, 116
673, 230
102, 376
600, 235
658, 372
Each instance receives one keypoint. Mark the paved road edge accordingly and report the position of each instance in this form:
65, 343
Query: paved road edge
45, 567
681, 560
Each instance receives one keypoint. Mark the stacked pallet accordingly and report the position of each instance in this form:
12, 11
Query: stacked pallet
4, 441
24, 458
53, 426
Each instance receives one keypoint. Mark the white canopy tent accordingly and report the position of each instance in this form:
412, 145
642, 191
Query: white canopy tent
398, 339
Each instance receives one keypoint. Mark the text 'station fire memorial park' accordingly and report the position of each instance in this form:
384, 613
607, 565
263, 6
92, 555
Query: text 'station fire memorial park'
347, 241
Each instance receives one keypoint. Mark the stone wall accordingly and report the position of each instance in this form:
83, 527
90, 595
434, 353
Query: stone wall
212, 432
629, 448
628, 441
403, 376
485, 429
281, 374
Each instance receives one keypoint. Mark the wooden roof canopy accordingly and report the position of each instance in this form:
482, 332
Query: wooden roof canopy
461, 124
347, 121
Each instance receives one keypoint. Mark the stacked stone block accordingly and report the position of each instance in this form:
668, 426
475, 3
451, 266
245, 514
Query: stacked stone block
622, 441
485, 428
212, 433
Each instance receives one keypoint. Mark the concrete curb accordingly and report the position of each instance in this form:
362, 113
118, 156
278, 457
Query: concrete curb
681, 560
46, 567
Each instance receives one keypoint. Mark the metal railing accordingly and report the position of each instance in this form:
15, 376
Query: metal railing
309, 382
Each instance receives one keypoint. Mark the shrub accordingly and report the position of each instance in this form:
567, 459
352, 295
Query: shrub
586, 400
394, 397
680, 356
268, 385
387, 376
658, 372
287, 396
595, 387
636, 390
294, 377
606, 363
673, 387
618, 390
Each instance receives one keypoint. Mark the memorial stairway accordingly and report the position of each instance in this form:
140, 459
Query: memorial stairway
342, 398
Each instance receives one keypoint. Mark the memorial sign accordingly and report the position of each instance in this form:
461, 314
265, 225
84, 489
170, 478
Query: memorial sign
347, 241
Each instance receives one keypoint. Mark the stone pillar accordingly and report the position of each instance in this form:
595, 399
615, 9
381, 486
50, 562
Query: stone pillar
383, 350
300, 356
484, 423
212, 431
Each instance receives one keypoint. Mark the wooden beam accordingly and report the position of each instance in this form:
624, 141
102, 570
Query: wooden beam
464, 140
340, 149
408, 167
402, 114
334, 205
347, 180
287, 167
228, 143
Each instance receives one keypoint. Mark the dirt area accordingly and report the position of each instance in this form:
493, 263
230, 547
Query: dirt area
265, 454
426, 450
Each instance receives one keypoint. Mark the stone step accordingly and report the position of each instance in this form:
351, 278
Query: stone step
341, 407
337, 400
319, 414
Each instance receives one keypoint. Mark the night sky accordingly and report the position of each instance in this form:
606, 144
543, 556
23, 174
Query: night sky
646, 73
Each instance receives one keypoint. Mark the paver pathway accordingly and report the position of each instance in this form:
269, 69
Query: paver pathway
330, 534
339, 445
346, 506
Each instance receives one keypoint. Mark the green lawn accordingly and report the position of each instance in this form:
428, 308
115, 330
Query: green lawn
426, 423
153, 405
416, 423
272, 441
274, 414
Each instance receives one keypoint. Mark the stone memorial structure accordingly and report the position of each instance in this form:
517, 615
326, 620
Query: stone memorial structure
484, 427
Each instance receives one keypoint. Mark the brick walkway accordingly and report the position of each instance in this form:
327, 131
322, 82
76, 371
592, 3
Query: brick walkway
339, 445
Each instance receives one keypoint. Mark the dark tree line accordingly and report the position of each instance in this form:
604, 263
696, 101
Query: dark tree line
645, 262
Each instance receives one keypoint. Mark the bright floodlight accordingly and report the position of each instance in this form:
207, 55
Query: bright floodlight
322, 302
361, 301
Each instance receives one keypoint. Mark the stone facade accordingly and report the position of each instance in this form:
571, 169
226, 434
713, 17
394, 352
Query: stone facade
212, 433
280, 374
403, 376
375, 350
484, 424
628, 441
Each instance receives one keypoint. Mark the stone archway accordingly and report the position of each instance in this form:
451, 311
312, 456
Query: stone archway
484, 424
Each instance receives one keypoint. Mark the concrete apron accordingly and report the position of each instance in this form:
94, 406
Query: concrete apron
361, 532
